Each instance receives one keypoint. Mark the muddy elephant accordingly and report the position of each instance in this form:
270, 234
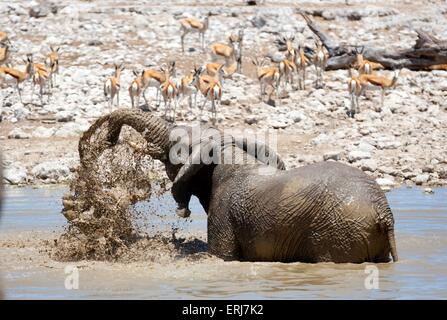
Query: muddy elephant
257, 210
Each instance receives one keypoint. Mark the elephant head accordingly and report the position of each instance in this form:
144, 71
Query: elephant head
189, 172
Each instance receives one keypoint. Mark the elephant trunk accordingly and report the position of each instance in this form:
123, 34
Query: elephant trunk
153, 129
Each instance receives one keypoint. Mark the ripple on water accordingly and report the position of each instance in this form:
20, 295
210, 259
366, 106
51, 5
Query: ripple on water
421, 234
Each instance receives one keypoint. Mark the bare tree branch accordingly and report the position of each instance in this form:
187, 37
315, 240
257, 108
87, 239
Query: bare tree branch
427, 51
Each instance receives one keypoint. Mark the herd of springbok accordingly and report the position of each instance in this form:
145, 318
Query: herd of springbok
41, 74
207, 78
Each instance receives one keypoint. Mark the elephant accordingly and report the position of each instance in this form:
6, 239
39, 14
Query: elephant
259, 211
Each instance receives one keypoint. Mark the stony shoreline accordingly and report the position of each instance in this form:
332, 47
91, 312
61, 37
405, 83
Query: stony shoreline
402, 143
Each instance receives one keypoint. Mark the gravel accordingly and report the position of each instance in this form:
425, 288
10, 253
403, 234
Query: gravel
403, 142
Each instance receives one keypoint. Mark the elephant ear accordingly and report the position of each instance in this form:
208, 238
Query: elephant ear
261, 152
192, 166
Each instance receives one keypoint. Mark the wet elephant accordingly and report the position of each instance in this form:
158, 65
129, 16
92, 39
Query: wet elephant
323, 212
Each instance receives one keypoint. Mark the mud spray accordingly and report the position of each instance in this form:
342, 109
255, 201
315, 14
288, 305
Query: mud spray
101, 206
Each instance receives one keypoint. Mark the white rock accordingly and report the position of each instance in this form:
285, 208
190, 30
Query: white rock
332, 155
368, 165
296, 116
17, 9
388, 144
39, 11
443, 85
42, 132
429, 190
18, 133
340, 134
20, 112
64, 116
364, 146
421, 178
356, 155
14, 19
251, 119
15, 174
385, 182
278, 124
81, 75
71, 129
51, 170
258, 21
320, 139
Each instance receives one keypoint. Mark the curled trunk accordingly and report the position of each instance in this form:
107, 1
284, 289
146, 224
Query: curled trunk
111, 178
153, 129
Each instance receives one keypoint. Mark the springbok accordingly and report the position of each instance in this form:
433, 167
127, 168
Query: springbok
189, 25
301, 63
363, 65
4, 53
10, 76
136, 88
296, 56
237, 41
40, 78
169, 92
188, 90
382, 83
358, 84
154, 78
4, 38
319, 61
286, 43
112, 86
287, 69
438, 67
231, 52
211, 89
212, 68
267, 76
52, 64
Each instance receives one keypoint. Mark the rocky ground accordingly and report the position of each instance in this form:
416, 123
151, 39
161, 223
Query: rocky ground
403, 142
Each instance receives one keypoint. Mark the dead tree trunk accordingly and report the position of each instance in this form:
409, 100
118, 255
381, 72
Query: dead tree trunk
427, 51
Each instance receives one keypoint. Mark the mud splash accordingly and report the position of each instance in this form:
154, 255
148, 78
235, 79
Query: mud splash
101, 206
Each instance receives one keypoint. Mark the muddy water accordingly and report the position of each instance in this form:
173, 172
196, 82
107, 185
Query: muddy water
32, 216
